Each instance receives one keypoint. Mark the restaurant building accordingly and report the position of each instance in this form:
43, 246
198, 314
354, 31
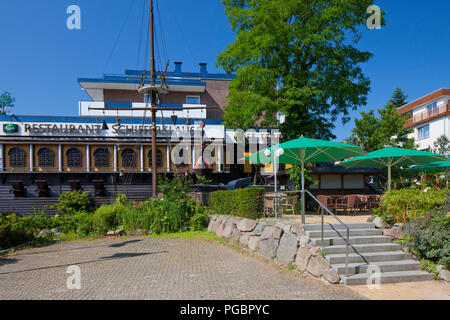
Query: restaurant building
106, 149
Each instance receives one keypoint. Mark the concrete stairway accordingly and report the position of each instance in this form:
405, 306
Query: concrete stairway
368, 247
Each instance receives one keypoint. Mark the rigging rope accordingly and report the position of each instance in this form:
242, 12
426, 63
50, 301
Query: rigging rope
118, 35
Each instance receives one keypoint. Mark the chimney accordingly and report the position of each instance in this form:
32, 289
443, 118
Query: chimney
203, 68
178, 67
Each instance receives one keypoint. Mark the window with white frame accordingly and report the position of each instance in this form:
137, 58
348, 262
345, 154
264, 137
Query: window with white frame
424, 132
192, 99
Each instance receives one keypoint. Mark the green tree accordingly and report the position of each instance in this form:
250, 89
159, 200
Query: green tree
442, 145
6, 101
398, 98
297, 57
373, 133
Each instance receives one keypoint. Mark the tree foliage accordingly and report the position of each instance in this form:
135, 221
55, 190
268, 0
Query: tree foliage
387, 130
297, 57
442, 145
6, 101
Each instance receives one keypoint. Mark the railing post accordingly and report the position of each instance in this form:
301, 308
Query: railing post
346, 252
322, 226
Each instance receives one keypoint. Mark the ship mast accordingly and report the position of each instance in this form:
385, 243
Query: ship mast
153, 95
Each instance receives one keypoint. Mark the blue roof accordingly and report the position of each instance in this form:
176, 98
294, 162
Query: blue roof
99, 120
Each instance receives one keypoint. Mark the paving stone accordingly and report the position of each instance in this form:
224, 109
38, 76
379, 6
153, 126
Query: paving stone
141, 268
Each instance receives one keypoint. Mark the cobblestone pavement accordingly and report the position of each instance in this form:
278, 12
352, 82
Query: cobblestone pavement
154, 269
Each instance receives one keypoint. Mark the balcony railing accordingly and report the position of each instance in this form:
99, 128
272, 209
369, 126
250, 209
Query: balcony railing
109, 109
428, 115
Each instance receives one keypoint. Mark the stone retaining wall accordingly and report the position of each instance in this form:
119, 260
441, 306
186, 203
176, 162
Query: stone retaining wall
281, 240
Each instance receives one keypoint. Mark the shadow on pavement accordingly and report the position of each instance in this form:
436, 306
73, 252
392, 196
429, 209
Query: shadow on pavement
113, 257
4, 261
118, 245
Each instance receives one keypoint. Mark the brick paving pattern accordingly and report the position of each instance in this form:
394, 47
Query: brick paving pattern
154, 269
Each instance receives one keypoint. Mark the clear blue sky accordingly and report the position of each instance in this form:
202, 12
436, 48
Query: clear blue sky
40, 59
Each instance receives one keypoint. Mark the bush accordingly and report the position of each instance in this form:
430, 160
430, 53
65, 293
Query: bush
200, 220
70, 203
429, 238
13, 232
84, 223
247, 203
107, 217
405, 204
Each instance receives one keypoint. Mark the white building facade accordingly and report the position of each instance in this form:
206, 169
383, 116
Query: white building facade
429, 117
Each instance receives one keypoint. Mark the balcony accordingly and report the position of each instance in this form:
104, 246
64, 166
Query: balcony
428, 115
111, 109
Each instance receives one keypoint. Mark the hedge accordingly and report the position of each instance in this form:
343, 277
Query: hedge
246, 203
406, 204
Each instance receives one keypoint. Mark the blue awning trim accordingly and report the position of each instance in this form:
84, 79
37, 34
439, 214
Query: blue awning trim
64, 119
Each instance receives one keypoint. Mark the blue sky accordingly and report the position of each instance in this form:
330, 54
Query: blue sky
40, 59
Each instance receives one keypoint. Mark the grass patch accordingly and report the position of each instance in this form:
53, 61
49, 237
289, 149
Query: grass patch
190, 235
70, 236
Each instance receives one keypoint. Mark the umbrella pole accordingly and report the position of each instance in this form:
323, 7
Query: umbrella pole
275, 180
303, 193
389, 177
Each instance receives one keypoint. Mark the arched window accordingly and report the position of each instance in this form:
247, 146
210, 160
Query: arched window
129, 158
159, 158
16, 158
46, 158
73, 158
101, 158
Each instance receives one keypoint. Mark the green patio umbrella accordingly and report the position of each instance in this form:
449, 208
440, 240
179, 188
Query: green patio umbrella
392, 157
433, 167
302, 151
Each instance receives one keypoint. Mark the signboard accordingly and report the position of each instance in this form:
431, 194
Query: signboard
10, 128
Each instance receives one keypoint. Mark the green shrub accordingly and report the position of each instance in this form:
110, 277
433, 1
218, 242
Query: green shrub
84, 222
136, 216
247, 203
76, 201
200, 219
405, 204
107, 217
13, 232
429, 238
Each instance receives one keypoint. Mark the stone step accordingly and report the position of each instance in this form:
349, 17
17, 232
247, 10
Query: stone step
362, 248
353, 240
368, 257
343, 233
338, 226
389, 277
385, 266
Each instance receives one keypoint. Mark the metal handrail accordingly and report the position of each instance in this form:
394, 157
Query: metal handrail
340, 221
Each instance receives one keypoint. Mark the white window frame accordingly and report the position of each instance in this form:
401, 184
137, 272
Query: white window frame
187, 97
418, 132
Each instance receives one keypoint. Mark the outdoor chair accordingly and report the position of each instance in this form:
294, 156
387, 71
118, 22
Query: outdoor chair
42, 188
328, 202
352, 203
361, 203
373, 202
18, 189
342, 204
288, 203
269, 208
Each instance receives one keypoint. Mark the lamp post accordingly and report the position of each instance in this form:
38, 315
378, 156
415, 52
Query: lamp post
277, 153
